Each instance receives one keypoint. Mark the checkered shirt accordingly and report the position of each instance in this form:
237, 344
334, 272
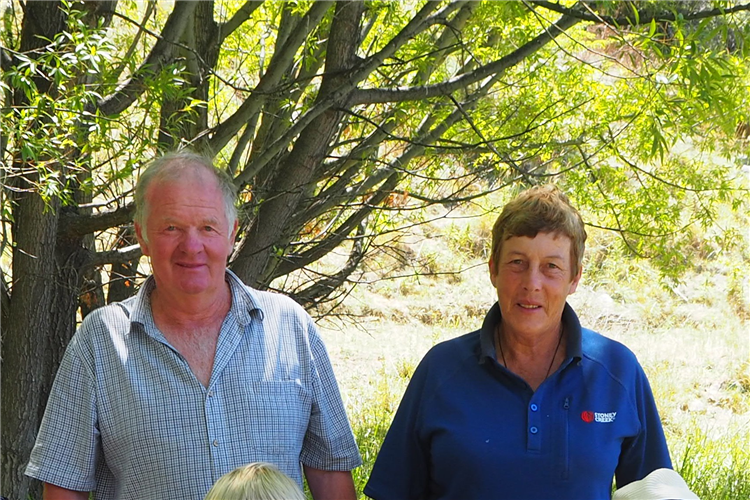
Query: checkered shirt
127, 418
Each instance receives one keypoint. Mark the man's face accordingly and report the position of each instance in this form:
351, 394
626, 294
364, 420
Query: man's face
533, 278
188, 237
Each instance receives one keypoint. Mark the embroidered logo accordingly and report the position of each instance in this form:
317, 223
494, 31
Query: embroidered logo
603, 418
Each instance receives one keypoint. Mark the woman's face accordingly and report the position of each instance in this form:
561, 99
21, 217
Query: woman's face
533, 278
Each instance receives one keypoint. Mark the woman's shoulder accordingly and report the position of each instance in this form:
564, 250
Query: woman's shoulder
449, 356
455, 348
609, 353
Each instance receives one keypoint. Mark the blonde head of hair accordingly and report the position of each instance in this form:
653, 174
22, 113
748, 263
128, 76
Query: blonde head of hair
255, 481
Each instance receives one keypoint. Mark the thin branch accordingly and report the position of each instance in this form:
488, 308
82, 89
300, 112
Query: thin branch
129, 91
239, 17
642, 18
136, 40
495, 68
279, 66
324, 287
292, 263
418, 23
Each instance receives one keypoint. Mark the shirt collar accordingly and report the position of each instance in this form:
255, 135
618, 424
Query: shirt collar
244, 302
492, 319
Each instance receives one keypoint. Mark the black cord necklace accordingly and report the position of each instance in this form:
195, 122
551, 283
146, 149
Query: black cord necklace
552, 361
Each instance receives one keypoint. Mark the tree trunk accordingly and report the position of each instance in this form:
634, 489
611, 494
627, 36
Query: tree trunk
256, 257
25, 337
41, 311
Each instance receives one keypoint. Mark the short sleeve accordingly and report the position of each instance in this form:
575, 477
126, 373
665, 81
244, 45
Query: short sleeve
647, 451
401, 470
67, 446
329, 442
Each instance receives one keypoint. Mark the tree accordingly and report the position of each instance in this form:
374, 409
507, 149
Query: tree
340, 122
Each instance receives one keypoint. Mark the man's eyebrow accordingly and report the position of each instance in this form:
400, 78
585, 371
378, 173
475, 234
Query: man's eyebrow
211, 220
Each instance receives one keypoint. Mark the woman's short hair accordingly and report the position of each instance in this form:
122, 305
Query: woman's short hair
172, 166
255, 481
541, 209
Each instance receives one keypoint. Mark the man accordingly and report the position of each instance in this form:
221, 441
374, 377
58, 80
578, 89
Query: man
158, 396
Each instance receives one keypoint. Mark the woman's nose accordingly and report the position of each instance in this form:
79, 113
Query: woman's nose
532, 278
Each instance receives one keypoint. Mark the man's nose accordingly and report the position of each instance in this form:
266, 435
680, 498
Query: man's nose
191, 241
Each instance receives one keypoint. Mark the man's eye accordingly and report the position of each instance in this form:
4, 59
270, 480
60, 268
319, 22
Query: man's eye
171, 228
208, 228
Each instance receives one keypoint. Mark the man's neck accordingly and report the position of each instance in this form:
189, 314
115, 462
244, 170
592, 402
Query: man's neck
190, 310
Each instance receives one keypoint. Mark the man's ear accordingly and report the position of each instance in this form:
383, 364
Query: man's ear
141, 239
233, 235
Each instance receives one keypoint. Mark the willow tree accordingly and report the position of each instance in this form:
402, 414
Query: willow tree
337, 121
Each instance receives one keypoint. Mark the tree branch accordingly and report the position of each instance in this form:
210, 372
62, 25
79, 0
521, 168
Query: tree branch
496, 68
136, 39
239, 17
642, 18
4, 300
74, 224
293, 262
313, 294
421, 21
277, 68
5, 60
129, 91
120, 256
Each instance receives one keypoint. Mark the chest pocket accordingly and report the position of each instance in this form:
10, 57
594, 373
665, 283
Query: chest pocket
276, 415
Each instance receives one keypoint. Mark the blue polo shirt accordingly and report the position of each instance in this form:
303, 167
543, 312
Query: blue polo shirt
467, 428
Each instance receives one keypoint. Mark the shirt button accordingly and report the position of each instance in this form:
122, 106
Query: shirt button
533, 430
210, 394
534, 407
216, 442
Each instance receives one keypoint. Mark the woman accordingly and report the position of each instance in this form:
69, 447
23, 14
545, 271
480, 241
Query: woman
531, 406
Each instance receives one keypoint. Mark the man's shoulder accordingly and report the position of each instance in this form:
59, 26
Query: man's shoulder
261, 299
112, 316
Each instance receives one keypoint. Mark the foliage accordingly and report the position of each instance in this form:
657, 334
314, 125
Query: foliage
343, 125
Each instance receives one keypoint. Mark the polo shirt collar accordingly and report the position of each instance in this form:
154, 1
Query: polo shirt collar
494, 316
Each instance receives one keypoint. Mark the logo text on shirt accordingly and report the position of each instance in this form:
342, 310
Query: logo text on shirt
604, 418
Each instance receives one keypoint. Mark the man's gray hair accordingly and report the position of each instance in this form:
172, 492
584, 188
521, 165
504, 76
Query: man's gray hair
172, 166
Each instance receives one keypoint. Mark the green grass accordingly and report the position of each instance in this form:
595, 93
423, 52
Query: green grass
715, 467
